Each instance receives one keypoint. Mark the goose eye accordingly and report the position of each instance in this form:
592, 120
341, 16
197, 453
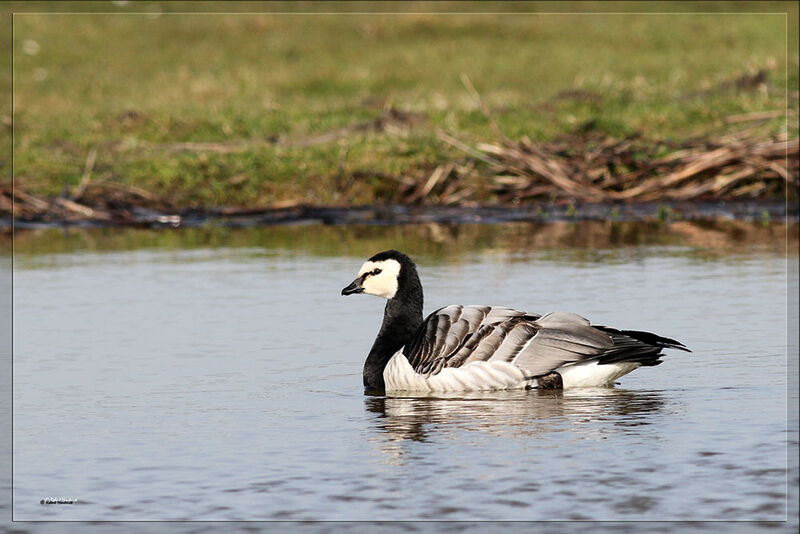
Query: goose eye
376, 272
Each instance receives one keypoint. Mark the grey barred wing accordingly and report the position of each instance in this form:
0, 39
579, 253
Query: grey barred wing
457, 335
562, 338
451, 334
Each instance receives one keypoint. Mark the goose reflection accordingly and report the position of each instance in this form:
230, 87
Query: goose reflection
588, 411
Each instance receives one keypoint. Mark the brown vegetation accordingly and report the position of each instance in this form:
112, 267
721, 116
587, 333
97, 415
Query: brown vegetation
585, 167
596, 168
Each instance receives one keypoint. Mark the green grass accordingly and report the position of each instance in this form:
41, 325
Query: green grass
130, 85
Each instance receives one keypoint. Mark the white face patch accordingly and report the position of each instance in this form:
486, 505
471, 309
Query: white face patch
381, 284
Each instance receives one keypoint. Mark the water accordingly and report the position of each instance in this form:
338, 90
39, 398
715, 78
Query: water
216, 375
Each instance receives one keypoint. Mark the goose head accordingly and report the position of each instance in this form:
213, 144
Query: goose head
382, 275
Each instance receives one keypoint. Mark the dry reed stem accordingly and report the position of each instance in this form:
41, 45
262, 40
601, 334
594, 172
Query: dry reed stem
587, 167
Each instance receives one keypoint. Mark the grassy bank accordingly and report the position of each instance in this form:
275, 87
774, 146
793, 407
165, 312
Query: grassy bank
257, 110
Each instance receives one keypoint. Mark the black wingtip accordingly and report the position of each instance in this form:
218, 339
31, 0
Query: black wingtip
673, 344
649, 338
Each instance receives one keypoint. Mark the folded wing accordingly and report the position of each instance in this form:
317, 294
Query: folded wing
458, 335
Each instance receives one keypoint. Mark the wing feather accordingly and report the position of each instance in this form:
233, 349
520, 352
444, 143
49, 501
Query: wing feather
559, 341
470, 343
474, 315
486, 347
455, 335
519, 334
458, 335
443, 323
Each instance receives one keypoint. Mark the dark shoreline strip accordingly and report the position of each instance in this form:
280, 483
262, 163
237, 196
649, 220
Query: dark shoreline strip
401, 214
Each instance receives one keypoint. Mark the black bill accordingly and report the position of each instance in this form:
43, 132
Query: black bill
355, 287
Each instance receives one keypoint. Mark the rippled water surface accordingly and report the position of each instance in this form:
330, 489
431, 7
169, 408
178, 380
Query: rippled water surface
216, 375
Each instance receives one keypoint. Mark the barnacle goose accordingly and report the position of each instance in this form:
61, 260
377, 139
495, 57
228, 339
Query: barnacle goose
473, 348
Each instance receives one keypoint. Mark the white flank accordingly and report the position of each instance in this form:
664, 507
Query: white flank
590, 374
475, 376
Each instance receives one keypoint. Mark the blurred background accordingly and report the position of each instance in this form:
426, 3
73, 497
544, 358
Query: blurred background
137, 106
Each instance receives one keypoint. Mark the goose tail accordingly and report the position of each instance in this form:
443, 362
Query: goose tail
655, 340
636, 346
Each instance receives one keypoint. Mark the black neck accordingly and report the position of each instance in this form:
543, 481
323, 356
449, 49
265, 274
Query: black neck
401, 318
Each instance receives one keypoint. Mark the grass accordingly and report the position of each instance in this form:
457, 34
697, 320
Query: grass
132, 86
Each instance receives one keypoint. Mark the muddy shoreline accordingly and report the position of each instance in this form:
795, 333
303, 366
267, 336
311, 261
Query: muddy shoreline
755, 211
